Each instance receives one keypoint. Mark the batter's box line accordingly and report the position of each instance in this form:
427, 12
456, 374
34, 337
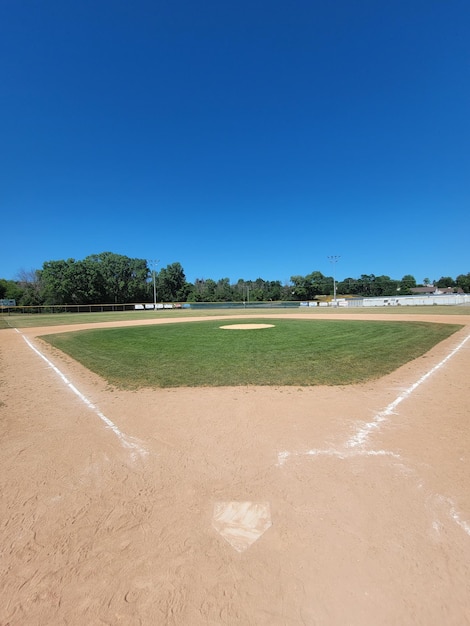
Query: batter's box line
452, 511
355, 446
358, 441
284, 456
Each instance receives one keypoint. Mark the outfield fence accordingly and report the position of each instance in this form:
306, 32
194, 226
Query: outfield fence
431, 300
66, 308
107, 308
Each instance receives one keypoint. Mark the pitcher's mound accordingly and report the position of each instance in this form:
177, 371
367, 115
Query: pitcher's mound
246, 326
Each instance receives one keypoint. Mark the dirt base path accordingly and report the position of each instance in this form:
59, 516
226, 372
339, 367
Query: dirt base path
234, 506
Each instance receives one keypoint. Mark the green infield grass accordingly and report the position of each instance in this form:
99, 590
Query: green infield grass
292, 352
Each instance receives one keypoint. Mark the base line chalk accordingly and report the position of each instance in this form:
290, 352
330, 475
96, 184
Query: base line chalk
125, 441
363, 433
360, 438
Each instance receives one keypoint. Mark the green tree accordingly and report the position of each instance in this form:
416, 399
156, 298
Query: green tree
310, 286
446, 281
172, 285
12, 290
209, 293
300, 288
57, 282
30, 287
349, 286
239, 290
117, 278
273, 290
385, 286
100, 278
407, 283
366, 285
223, 291
196, 293
257, 290
463, 281
71, 282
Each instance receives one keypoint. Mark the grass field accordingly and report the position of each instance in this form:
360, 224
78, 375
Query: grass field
293, 352
18, 320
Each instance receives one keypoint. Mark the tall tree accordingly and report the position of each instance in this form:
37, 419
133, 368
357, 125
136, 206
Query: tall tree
118, 278
223, 290
30, 286
463, 281
407, 283
385, 286
446, 281
57, 281
98, 279
310, 286
172, 285
367, 285
348, 286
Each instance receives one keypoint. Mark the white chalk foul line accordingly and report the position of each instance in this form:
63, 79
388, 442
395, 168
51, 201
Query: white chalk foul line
360, 438
363, 433
126, 442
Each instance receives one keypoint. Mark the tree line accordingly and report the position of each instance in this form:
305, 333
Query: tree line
109, 278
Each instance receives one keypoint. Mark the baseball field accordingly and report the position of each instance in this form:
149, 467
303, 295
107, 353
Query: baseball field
307, 467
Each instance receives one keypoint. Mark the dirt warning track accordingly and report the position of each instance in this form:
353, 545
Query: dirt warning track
238, 506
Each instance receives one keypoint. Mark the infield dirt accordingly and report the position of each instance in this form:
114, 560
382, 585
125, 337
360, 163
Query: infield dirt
94, 532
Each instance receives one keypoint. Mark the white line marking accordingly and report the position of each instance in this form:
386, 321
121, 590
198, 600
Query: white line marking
462, 523
283, 456
453, 513
363, 433
124, 439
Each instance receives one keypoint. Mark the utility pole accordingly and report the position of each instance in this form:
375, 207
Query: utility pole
334, 259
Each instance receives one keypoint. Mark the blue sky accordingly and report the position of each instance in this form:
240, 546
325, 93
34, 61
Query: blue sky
241, 139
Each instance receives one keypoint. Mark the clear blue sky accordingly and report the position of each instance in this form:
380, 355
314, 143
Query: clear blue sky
243, 139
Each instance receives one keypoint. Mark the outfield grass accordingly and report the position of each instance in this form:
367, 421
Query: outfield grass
25, 320
293, 352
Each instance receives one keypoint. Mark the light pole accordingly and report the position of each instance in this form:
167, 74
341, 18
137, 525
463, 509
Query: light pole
246, 296
154, 263
334, 259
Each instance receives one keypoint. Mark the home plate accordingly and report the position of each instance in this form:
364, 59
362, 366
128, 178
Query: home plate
241, 523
